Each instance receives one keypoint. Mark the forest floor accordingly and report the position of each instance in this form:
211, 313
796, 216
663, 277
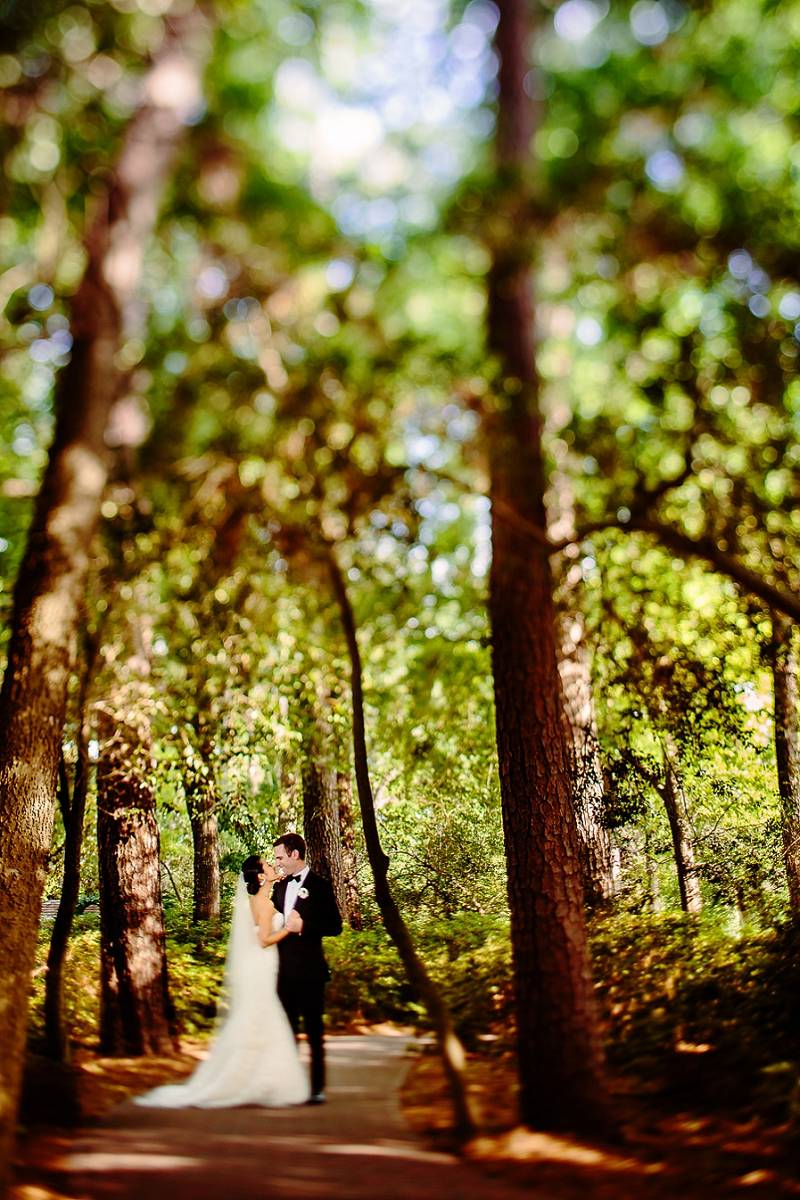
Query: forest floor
672, 1144
384, 1132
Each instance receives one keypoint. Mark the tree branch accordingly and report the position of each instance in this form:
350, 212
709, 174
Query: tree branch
722, 561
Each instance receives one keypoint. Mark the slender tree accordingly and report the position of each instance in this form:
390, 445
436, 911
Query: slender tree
73, 810
787, 746
200, 789
49, 589
673, 793
450, 1048
559, 1050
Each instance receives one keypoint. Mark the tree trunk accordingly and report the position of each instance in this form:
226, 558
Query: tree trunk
674, 797
559, 1049
136, 1016
347, 839
588, 788
49, 590
321, 824
654, 902
200, 788
73, 809
450, 1048
320, 782
787, 747
583, 748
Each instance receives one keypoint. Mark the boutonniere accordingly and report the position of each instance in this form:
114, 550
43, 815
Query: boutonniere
303, 893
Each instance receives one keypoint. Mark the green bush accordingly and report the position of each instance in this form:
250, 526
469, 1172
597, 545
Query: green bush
670, 986
467, 956
672, 991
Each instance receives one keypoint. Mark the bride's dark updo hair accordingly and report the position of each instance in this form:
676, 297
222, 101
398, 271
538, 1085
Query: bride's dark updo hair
252, 867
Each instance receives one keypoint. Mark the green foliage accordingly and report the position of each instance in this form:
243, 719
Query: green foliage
468, 957
674, 990
81, 982
196, 961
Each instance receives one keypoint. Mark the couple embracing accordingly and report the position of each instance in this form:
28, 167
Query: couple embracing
275, 975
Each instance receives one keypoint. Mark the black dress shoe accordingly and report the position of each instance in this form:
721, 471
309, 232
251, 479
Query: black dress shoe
317, 1098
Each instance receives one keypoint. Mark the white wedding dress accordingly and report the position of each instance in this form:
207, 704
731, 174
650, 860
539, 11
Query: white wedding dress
253, 1058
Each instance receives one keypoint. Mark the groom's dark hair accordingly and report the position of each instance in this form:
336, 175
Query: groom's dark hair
292, 842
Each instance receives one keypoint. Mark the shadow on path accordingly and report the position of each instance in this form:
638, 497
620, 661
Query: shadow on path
355, 1146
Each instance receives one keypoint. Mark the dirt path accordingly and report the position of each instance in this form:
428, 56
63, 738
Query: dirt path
356, 1146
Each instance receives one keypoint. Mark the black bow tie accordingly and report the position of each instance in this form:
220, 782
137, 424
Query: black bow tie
294, 878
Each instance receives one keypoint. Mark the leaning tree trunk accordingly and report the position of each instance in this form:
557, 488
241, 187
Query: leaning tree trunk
49, 589
450, 1048
73, 810
136, 1016
559, 1050
787, 747
674, 796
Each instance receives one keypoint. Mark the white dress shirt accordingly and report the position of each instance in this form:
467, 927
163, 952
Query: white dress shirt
292, 888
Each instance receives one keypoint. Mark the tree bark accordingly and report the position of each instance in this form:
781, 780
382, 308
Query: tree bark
321, 824
136, 1015
73, 809
200, 788
49, 589
787, 747
322, 818
559, 1051
583, 748
450, 1048
673, 794
347, 838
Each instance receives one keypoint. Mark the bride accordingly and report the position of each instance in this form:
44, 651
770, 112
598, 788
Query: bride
253, 1058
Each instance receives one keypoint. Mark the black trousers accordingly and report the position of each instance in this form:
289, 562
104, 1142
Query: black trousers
304, 1002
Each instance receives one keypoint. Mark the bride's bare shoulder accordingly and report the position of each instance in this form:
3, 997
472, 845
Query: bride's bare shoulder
262, 901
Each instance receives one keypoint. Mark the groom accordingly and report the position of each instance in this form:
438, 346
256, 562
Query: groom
303, 972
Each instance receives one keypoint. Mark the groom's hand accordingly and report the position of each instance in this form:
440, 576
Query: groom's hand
294, 922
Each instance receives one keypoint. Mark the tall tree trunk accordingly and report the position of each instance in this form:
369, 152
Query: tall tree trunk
200, 788
136, 1016
322, 819
347, 839
450, 1048
199, 779
321, 824
588, 787
49, 589
583, 747
787, 747
559, 1050
674, 796
73, 810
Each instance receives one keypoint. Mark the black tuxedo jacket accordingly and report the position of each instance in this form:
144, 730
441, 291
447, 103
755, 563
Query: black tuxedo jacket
301, 955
